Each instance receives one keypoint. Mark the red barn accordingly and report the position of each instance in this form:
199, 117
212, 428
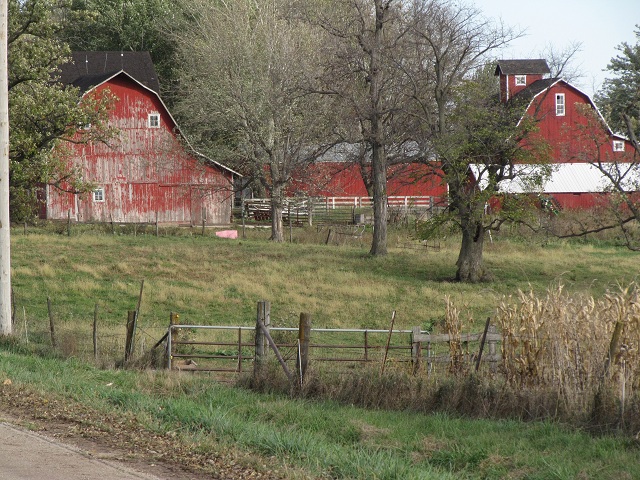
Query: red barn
571, 124
148, 172
335, 175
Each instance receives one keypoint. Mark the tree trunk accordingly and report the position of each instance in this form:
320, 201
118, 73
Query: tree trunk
277, 201
378, 153
470, 265
379, 244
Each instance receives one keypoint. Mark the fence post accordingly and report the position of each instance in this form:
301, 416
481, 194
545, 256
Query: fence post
482, 342
240, 349
416, 349
174, 319
131, 327
264, 318
492, 348
366, 345
243, 206
304, 332
95, 332
51, 323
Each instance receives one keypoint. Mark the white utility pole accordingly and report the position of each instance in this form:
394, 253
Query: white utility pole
5, 230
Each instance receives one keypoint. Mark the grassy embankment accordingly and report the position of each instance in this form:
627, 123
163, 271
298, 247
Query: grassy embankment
214, 281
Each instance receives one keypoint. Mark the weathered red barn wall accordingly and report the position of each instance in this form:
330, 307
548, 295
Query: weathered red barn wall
144, 171
337, 179
571, 136
508, 87
592, 200
579, 201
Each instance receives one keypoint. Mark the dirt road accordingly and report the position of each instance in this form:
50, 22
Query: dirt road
114, 446
26, 455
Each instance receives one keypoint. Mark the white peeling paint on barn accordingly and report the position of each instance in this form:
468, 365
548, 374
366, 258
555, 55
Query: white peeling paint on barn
147, 172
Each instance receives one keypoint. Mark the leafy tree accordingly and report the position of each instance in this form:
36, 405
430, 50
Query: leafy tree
620, 96
244, 71
619, 101
591, 142
459, 122
42, 112
116, 25
487, 143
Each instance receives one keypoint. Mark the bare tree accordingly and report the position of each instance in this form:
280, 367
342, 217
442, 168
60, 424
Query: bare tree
365, 39
245, 71
562, 61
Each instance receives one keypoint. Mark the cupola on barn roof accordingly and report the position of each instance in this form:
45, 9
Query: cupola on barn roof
522, 67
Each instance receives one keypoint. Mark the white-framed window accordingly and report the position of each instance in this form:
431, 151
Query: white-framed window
521, 80
560, 106
98, 194
154, 120
618, 146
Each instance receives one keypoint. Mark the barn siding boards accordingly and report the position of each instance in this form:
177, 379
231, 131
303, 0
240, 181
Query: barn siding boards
145, 170
343, 179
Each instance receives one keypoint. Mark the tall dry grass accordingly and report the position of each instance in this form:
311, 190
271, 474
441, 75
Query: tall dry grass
585, 349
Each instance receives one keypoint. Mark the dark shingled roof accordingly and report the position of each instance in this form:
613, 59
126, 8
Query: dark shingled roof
88, 69
522, 67
536, 87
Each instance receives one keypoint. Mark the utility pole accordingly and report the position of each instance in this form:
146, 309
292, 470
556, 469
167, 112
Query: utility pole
5, 227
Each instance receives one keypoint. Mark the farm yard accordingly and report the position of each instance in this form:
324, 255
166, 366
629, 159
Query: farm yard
270, 239
433, 423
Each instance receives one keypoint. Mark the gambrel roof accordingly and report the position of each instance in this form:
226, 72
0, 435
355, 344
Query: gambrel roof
87, 83
523, 67
539, 87
88, 69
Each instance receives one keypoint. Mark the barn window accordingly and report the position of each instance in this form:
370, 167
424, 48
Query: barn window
154, 120
521, 80
560, 104
618, 146
98, 195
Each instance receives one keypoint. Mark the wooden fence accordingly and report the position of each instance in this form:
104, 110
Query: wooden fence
236, 349
317, 210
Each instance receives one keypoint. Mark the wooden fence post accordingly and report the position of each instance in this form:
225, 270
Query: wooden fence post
174, 319
264, 318
304, 334
416, 349
386, 349
51, 323
95, 332
242, 214
482, 342
492, 347
131, 327
273, 345
613, 348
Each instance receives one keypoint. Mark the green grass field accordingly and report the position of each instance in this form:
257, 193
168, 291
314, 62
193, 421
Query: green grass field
214, 281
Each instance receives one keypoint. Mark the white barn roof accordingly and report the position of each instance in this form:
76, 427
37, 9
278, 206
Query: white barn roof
564, 178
